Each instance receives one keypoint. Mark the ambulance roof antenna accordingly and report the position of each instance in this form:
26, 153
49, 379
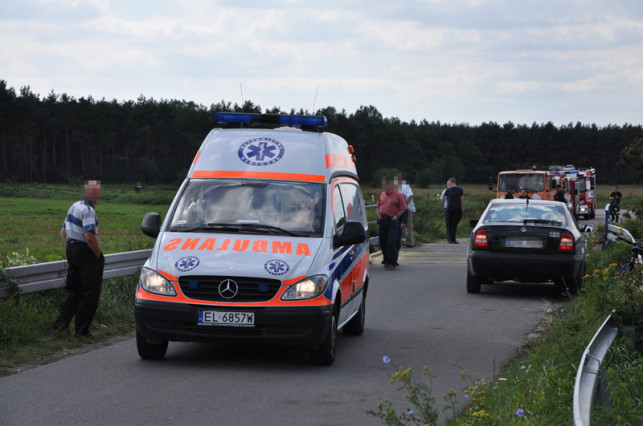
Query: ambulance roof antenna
315, 101
242, 101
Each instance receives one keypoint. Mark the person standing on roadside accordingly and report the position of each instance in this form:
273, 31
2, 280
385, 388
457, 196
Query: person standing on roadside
455, 200
443, 201
615, 202
85, 262
390, 206
407, 223
559, 195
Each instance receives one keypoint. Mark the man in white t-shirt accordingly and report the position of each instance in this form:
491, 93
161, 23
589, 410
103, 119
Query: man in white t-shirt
406, 191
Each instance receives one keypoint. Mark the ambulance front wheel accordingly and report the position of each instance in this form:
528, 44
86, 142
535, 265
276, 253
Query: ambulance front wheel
148, 350
324, 354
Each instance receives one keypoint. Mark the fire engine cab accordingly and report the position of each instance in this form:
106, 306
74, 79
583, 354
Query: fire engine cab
265, 241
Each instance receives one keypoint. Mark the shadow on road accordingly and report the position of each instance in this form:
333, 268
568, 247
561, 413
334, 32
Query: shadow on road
517, 290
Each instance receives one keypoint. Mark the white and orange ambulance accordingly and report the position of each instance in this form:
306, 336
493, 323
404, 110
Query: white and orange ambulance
265, 241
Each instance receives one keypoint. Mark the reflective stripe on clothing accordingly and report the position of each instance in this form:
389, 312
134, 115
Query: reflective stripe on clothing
81, 218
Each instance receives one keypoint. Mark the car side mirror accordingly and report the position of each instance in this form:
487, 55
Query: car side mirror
151, 225
587, 228
352, 233
473, 223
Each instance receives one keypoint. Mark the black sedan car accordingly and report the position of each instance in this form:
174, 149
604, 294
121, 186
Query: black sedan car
527, 241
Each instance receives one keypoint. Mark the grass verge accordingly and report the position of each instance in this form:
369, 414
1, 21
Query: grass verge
26, 323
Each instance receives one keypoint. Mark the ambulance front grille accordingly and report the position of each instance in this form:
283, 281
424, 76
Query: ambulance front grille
222, 288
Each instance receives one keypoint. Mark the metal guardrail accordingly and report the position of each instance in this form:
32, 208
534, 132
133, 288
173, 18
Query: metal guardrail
590, 370
46, 276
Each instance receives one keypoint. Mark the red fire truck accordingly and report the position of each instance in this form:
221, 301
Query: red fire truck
580, 189
579, 186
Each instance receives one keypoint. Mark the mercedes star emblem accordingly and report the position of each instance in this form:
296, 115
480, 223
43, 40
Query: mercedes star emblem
228, 289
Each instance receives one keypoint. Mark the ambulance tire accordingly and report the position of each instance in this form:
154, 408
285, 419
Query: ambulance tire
355, 326
324, 354
148, 350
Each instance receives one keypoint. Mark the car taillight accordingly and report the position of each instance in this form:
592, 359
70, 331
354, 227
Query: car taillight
566, 243
480, 239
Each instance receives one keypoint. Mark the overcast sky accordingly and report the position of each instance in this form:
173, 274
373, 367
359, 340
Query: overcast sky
456, 61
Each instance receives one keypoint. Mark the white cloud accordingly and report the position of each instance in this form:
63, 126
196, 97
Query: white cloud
457, 61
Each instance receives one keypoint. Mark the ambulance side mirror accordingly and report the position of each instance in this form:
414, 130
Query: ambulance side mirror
353, 233
151, 225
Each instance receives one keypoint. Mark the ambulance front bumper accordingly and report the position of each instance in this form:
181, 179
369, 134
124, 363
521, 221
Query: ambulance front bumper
298, 326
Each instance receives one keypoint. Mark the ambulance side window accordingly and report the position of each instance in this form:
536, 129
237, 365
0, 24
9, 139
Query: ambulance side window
338, 209
353, 202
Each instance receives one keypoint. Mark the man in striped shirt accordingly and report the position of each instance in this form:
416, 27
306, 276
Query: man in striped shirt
85, 262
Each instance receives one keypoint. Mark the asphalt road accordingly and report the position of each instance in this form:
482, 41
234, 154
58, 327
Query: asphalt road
418, 315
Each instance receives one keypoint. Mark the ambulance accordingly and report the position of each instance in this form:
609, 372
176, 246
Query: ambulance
265, 242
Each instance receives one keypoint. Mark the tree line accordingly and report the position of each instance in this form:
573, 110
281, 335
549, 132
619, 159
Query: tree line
61, 139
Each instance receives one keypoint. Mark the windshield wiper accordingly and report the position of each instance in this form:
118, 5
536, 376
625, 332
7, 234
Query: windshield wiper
269, 228
189, 228
250, 227
542, 222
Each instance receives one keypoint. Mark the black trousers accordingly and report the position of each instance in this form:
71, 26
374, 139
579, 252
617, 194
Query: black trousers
389, 232
453, 217
84, 282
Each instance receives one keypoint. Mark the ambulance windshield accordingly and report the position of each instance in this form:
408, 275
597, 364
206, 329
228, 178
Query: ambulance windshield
255, 206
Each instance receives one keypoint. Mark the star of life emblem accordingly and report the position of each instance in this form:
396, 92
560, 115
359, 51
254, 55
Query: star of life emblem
261, 151
187, 263
276, 267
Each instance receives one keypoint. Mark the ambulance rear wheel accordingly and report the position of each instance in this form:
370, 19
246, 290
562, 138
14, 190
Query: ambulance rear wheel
324, 354
148, 350
355, 326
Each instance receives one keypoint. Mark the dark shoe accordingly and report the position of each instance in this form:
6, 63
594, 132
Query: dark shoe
86, 334
455, 242
389, 267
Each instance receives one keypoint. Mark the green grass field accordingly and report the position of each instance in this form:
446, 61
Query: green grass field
32, 218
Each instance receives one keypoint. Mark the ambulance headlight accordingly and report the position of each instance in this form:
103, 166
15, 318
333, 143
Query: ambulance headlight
583, 209
308, 288
156, 283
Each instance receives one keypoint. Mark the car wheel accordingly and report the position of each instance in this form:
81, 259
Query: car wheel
355, 326
578, 281
324, 354
592, 215
148, 350
473, 283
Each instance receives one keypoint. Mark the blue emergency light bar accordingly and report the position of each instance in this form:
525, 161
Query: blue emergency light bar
271, 119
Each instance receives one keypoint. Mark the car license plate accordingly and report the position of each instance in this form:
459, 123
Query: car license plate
227, 319
524, 243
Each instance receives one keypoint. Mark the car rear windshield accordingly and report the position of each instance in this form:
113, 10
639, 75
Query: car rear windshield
521, 212
244, 205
